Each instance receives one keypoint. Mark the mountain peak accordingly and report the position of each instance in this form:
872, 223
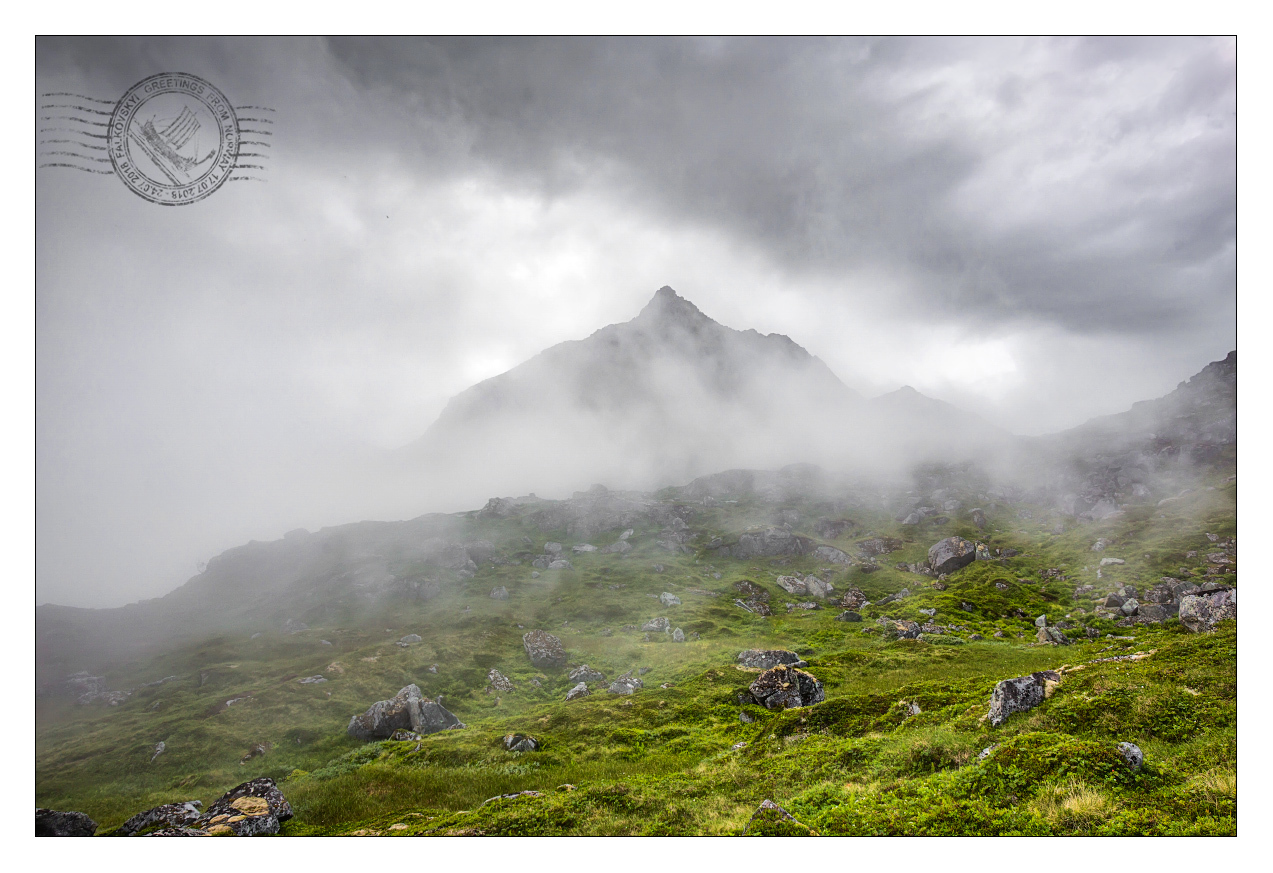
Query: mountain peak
669, 307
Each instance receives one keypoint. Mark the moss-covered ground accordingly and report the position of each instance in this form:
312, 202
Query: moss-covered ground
668, 760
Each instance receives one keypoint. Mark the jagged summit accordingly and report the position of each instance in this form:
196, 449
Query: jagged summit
668, 306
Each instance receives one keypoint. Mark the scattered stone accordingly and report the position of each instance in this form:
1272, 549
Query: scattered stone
951, 554
1105, 562
660, 624
678, 636
849, 615
746, 717
552, 548
792, 585
626, 684
312, 680
253, 808
1132, 754
785, 687
583, 547
534, 574
560, 564
1130, 606
768, 813
987, 752
257, 750
52, 823
1020, 694
580, 690
160, 747
618, 548
658, 568
520, 743
892, 598
1201, 612
544, 649
1100, 544
667, 598
176, 815
324, 643
853, 599
406, 736
1041, 621
411, 638
929, 612
806, 604
407, 710
584, 673
979, 519
972, 638
499, 681
500, 593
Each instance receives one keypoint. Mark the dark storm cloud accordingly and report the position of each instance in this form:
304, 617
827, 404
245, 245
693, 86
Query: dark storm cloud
1114, 157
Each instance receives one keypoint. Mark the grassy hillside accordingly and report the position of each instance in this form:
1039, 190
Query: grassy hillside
667, 760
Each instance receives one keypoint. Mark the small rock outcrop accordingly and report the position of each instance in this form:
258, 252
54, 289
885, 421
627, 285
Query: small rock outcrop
1132, 754
544, 649
580, 690
770, 817
500, 593
785, 687
678, 636
175, 815
251, 809
951, 554
1021, 694
499, 681
520, 743
407, 710
1201, 612
853, 599
52, 823
667, 598
626, 684
584, 673
659, 624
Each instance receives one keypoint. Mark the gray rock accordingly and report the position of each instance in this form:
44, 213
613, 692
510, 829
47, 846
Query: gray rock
853, 599
499, 681
1132, 754
659, 624
817, 588
160, 748
254, 808
892, 598
411, 638
1113, 601
580, 690
768, 811
667, 598
746, 717
792, 585
534, 574
678, 636
626, 684
312, 680
177, 815
765, 659
520, 743
407, 710
806, 604
583, 547
584, 673
627, 533
951, 554
1100, 544
500, 593
1020, 695
1154, 611
618, 547
1105, 562
983, 552
1041, 621
52, 823
978, 518
544, 649
1055, 635
785, 687
831, 555
561, 564
1201, 612
848, 615
1130, 606
552, 548
929, 612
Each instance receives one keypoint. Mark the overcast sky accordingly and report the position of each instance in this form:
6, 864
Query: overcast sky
1036, 230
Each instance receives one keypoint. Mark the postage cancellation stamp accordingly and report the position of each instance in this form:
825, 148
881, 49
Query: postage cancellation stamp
172, 139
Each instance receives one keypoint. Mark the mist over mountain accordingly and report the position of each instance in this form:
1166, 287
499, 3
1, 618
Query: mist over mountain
671, 395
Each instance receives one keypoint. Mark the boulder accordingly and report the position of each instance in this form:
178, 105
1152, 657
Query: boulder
580, 690
500, 593
983, 552
176, 815
1041, 621
900, 595
831, 555
407, 710
785, 687
1201, 612
1154, 611
770, 818
499, 681
1106, 562
1020, 694
951, 554
806, 604
1132, 754
667, 598
764, 659
618, 547
853, 599
903, 630
584, 673
625, 684
1130, 606
52, 823
659, 624
817, 588
552, 548
308, 680
750, 590
678, 636
792, 585
848, 615
583, 547
520, 743
560, 564
544, 649
411, 638
979, 519
253, 808
759, 607
873, 547
1113, 601
1100, 545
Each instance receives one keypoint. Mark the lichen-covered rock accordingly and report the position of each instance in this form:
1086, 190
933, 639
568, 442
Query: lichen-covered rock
853, 599
250, 809
678, 636
411, 638
500, 593
750, 590
785, 687
177, 815
849, 615
1130, 606
951, 554
520, 743
667, 598
764, 659
544, 649
626, 684
818, 588
659, 624
52, 823
584, 673
1132, 754
407, 710
580, 690
757, 607
770, 819
894, 597
1201, 612
1020, 694
499, 681
792, 585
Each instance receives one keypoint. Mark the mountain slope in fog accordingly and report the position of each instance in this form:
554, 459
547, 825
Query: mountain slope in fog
671, 395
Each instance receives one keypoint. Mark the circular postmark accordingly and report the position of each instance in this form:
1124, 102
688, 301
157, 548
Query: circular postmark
173, 138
